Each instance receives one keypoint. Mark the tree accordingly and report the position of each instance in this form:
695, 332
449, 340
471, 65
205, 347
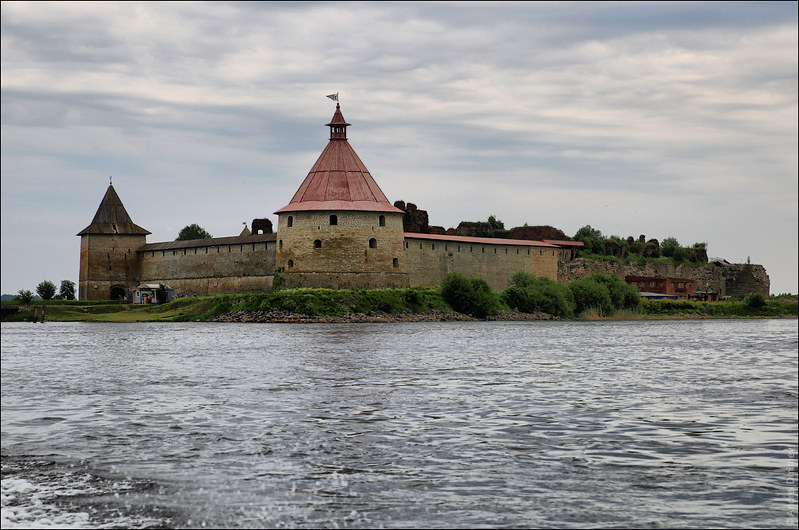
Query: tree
193, 231
495, 223
67, 291
668, 246
25, 297
46, 290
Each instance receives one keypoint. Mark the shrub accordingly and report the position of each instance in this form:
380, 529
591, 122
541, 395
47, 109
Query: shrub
529, 294
471, 296
756, 301
590, 295
622, 295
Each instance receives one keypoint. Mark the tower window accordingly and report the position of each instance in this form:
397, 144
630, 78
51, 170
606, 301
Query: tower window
291, 263
395, 262
280, 244
373, 243
333, 220
317, 243
290, 221
382, 220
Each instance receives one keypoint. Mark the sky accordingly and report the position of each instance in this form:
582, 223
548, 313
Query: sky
674, 119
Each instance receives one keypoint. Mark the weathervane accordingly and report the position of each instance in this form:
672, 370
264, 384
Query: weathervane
334, 97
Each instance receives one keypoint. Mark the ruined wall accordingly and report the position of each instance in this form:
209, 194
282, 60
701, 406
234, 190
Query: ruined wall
240, 266
361, 250
429, 260
108, 261
730, 280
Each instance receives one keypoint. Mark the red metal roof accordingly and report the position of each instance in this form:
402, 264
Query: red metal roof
480, 240
339, 180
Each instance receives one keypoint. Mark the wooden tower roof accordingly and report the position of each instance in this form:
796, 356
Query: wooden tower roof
112, 218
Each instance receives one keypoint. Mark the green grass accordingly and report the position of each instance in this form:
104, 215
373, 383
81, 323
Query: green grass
336, 303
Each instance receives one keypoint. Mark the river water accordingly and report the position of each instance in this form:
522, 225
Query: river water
442, 425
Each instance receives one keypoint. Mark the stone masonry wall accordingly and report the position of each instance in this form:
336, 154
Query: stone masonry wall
362, 250
729, 280
108, 261
211, 270
428, 261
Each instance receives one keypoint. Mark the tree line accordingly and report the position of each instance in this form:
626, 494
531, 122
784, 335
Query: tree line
47, 291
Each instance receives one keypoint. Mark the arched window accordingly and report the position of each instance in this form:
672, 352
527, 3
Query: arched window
382, 220
373, 243
290, 221
317, 243
291, 263
333, 219
395, 262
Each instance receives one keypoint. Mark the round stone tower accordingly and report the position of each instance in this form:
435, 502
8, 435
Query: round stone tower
339, 230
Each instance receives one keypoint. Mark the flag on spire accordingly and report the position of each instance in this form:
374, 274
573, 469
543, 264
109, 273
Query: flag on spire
334, 97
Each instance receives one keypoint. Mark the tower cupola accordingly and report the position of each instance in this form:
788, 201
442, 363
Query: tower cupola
338, 126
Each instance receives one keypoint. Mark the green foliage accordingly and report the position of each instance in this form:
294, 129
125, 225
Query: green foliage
161, 294
24, 297
67, 290
471, 296
193, 231
46, 290
590, 295
495, 223
756, 301
622, 295
668, 246
528, 293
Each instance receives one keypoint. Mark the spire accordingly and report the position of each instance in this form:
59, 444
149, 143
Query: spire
338, 126
339, 180
112, 218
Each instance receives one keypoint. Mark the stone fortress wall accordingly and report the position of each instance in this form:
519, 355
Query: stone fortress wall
215, 266
430, 259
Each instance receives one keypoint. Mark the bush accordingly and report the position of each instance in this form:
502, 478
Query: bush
756, 301
471, 296
529, 294
622, 295
590, 295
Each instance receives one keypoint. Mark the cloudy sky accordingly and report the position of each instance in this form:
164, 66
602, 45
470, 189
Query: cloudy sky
664, 119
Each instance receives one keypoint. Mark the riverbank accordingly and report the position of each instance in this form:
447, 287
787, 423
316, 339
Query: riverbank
385, 305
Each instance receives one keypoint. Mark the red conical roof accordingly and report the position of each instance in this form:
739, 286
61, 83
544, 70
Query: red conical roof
339, 180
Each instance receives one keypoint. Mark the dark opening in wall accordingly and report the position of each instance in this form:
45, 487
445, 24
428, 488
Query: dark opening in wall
373, 243
290, 221
395, 262
317, 243
382, 220
291, 263
333, 219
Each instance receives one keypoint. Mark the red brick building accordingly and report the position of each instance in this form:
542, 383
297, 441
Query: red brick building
682, 288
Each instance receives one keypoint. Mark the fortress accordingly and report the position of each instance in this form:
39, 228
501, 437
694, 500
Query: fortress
338, 231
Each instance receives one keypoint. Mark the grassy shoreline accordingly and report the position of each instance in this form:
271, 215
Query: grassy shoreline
380, 305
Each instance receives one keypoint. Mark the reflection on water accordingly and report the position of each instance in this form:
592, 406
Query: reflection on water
556, 424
